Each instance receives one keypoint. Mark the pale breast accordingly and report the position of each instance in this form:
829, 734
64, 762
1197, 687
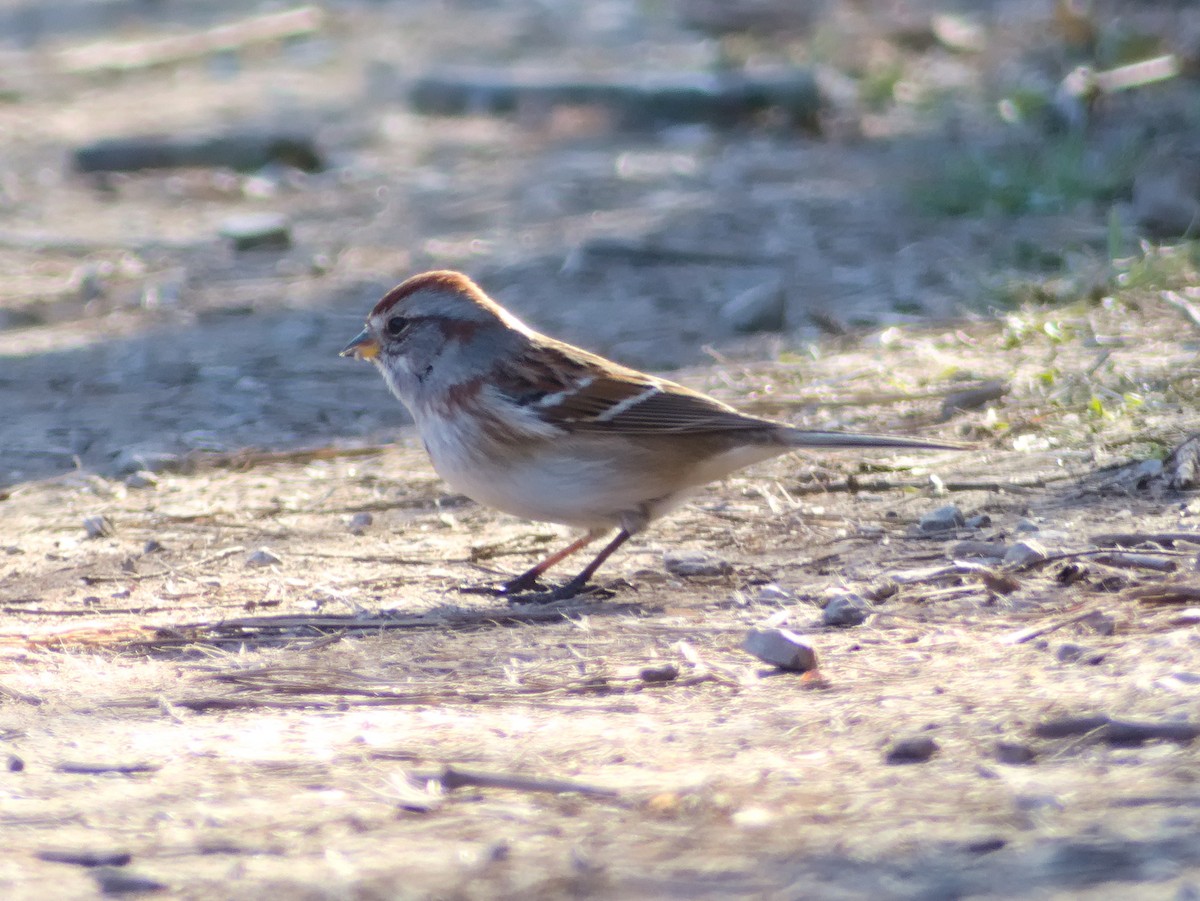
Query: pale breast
585, 480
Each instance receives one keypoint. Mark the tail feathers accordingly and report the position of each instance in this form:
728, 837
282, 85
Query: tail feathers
803, 438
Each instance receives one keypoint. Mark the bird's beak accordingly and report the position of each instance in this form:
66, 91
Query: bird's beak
363, 347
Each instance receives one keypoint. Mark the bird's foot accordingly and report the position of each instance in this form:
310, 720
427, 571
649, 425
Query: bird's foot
522, 584
523, 590
569, 591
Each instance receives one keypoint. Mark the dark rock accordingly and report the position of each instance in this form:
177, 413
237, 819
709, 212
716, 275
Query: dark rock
942, 519
1014, 753
117, 881
846, 610
668, 672
916, 749
986, 845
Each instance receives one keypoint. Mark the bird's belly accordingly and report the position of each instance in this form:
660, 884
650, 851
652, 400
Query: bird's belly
588, 487
548, 489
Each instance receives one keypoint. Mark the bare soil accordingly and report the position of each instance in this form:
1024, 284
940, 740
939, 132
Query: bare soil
355, 719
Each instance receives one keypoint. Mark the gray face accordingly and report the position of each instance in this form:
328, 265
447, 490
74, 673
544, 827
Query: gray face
433, 340
409, 352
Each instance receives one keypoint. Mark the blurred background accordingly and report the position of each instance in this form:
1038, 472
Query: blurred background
199, 201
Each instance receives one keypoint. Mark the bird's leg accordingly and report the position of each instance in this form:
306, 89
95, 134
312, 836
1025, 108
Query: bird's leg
576, 585
528, 580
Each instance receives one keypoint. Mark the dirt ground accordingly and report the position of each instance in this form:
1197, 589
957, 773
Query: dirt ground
241, 650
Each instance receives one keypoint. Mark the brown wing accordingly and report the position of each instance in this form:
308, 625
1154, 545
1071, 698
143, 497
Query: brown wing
578, 391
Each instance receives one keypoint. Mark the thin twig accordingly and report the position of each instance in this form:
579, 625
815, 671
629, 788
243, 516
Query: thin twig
452, 778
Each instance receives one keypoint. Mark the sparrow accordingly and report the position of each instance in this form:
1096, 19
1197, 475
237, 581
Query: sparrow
547, 431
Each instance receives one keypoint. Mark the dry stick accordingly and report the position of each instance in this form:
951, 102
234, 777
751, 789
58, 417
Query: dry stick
124, 56
13, 694
84, 858
275, 628
452, 778
1162, 594
1139, 561
88, 769
1133, 539
1181, 303
26, 611
853, 485
1096, 552
1025, 635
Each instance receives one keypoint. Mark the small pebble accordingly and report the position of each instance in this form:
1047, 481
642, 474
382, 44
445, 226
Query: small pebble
753, 818
1068, 652
143, 478
1014, 753
1100, 623
359, 523
942, 519
695, 563
1028, 525
999, 582
772, 594
986, 845
153, 546
15, 764
1025, 552
98, 526
262, 557
132, 460
846, 610
916, 749
254, 231
781, 648
978, 521
668, 672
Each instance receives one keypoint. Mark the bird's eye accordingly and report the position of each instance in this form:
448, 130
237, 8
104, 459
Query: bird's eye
396, 326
